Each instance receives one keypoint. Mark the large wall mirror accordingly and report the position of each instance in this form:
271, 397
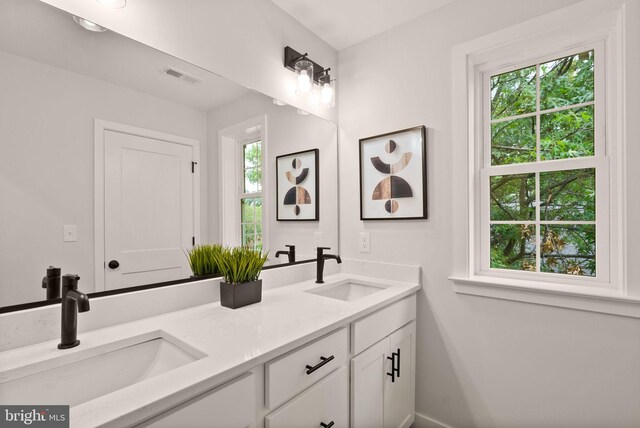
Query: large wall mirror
116, 158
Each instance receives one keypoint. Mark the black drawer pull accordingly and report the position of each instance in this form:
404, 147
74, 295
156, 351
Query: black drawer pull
323, 361
329, 425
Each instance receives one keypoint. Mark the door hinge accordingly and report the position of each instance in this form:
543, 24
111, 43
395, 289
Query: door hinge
193, 241
193, 167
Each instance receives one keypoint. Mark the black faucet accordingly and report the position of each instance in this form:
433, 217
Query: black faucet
73, 301
320, 262
52, 282
291, 253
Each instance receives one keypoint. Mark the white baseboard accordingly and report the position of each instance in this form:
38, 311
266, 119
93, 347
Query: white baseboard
423, 421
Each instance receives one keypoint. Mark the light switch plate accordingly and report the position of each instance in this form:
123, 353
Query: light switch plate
70, 233
364, 242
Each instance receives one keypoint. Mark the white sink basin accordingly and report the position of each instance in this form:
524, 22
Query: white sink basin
347, 292
76, 378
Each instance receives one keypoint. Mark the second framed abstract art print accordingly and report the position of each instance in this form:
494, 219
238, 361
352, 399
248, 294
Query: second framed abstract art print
393, 175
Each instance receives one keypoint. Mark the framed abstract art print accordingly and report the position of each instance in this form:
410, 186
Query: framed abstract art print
297, 186
393, 175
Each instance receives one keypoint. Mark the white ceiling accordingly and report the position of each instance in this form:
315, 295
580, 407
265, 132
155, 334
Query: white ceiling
342, 23
37, 31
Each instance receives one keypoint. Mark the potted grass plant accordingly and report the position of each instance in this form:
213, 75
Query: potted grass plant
240, 268
203, 259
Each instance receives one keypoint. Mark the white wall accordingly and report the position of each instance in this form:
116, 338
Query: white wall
287, 132
242, 40
482, 362
46, 166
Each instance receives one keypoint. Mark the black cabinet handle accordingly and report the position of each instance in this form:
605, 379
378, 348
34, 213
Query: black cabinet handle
323, 361
393, 367
114, 264
395, 371
329, 425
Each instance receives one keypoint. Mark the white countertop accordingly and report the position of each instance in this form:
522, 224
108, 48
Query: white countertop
234, 340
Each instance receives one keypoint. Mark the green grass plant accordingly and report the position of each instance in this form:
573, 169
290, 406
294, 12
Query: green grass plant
240, 264
203, 259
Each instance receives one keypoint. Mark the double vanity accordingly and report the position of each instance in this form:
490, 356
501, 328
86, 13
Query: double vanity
338, 354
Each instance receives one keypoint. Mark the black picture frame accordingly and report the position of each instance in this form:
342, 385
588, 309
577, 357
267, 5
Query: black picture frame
378, 180
285, 210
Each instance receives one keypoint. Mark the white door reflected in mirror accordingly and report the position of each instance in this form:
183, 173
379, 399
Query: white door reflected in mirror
148, 208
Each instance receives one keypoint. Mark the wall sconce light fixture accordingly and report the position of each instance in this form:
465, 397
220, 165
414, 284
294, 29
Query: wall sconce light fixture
309, 72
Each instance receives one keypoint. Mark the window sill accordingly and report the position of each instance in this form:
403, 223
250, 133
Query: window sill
593, 300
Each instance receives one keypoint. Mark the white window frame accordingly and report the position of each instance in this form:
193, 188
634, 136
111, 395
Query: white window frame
569, 30
241, 193
599, 161
229, 181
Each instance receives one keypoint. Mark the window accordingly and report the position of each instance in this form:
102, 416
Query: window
544, 176
539, 180
250, 195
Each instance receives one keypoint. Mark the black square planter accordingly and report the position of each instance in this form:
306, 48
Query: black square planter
236, 296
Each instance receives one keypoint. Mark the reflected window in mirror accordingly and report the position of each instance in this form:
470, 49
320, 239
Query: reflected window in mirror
251, 194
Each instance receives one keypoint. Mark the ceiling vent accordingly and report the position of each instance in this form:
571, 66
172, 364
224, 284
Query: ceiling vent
181, 75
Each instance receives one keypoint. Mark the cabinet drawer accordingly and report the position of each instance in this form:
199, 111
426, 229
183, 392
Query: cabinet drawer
371, 329
296, 371
326, 402
230, 405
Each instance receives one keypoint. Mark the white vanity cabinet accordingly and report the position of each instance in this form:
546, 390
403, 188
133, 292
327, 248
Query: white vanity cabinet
232, 404
360, 375
382, 368
382, 375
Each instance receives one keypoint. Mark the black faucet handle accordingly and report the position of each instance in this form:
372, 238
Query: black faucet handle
293, 247
70, 281
321, 250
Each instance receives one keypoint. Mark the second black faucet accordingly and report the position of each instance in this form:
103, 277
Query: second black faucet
320, 262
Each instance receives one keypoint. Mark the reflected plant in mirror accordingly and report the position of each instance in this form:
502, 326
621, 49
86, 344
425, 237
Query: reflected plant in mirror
119, 160
202, 259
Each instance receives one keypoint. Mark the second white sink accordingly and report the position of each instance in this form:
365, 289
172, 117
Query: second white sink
348, 292
72, 379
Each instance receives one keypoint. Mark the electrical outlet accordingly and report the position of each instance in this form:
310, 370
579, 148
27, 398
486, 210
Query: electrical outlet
317, 239
364, 242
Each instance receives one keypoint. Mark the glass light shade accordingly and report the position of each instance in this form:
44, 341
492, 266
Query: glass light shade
327, 90
88, 25
304, 76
